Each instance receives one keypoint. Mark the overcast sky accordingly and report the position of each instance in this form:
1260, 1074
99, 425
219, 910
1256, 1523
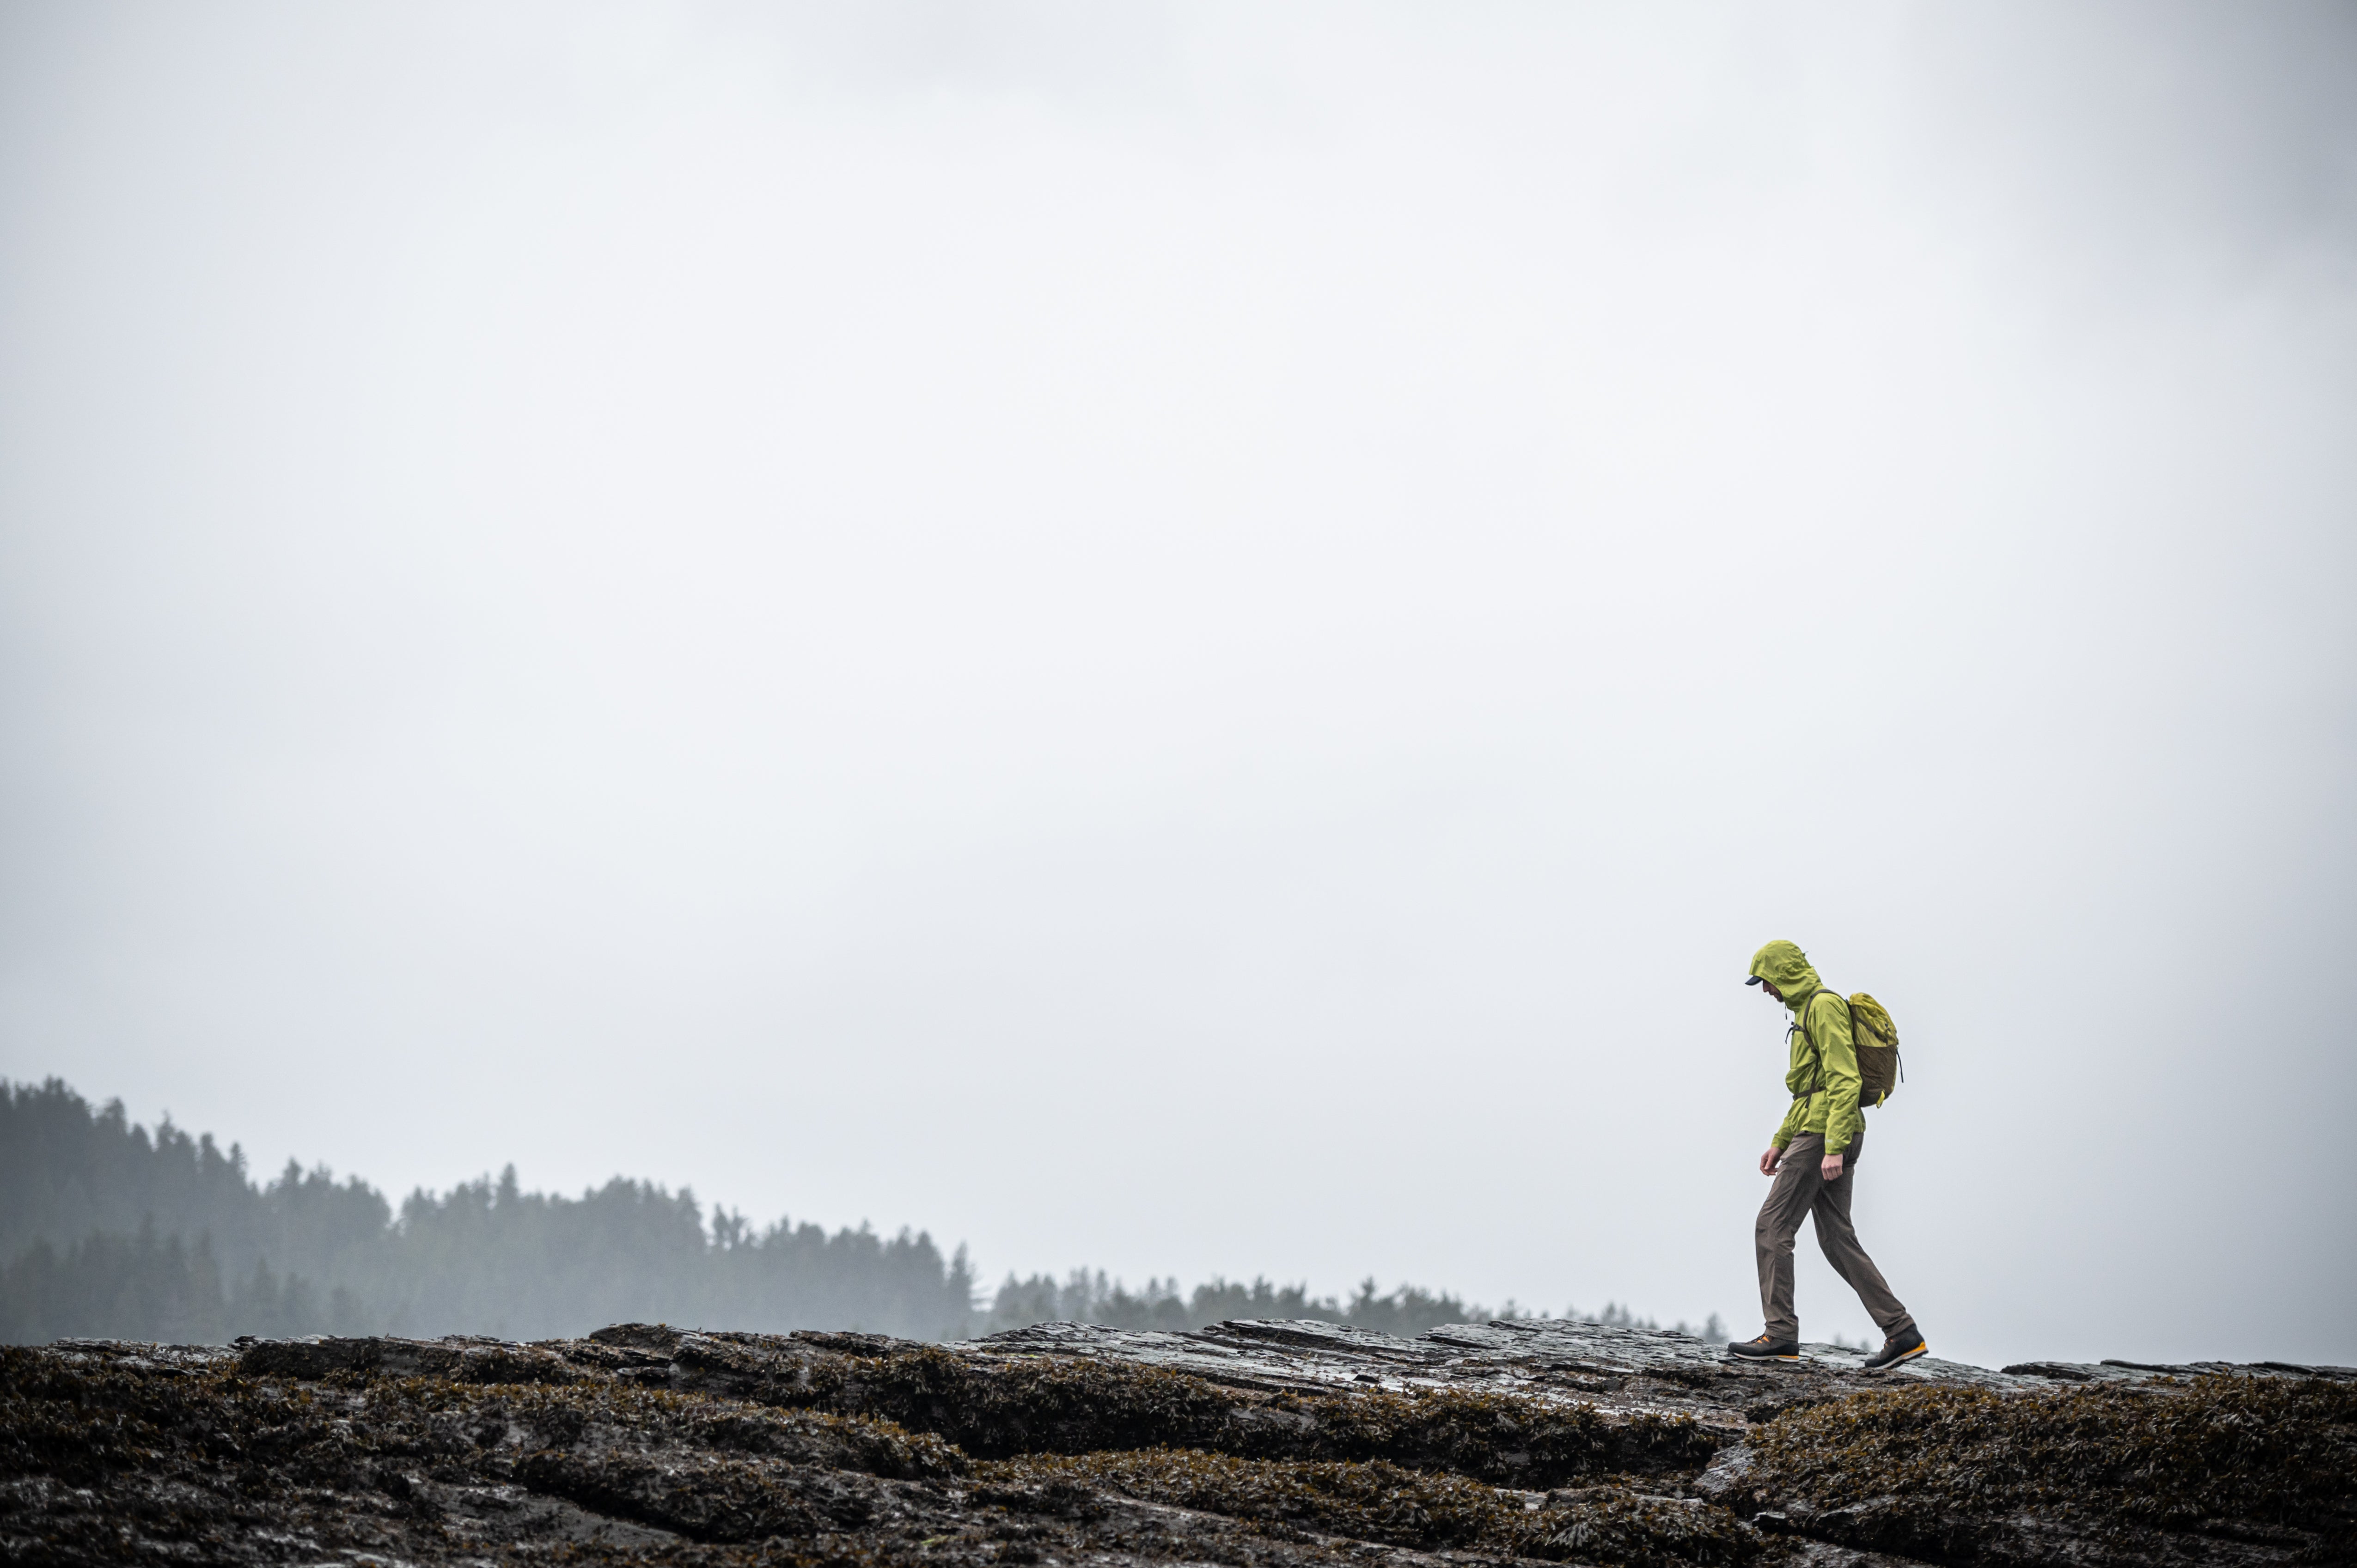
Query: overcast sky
1200, 639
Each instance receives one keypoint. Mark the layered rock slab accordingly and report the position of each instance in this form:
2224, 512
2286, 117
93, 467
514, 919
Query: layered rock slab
1246, 1443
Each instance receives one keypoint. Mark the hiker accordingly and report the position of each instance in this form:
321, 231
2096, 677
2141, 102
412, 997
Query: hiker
1812, 1163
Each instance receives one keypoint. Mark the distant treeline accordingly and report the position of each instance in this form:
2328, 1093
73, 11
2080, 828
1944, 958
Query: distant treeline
107, 1230
110, 1230
1086, 1297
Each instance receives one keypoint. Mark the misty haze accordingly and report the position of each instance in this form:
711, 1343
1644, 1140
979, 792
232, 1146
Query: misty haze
935, 669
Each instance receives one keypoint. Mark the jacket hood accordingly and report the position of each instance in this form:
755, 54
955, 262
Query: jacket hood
1784, 966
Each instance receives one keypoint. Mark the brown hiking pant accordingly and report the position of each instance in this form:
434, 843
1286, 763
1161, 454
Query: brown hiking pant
1800, 1188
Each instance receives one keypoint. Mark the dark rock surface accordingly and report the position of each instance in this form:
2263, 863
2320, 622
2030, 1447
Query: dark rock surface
1273, 1444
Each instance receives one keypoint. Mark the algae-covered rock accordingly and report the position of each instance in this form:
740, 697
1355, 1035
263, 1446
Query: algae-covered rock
2215, 1468
1249, 1443
1379, 1502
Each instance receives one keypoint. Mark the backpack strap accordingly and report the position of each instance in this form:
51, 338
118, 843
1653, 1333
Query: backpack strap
1799, 1017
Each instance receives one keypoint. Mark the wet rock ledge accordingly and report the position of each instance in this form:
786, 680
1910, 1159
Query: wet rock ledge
1247, 1444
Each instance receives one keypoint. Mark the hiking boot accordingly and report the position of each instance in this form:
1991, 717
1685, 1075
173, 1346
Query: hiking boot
1896, 1348
1766, 1350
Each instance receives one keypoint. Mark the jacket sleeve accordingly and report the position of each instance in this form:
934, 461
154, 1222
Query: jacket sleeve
1797, 1113
1830, 1026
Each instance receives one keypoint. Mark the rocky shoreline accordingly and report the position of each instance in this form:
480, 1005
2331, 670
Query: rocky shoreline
1246, 1443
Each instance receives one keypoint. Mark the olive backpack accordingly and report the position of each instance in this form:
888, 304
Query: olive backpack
1876, 1039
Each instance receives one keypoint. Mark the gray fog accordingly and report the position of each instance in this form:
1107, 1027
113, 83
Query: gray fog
1200, 639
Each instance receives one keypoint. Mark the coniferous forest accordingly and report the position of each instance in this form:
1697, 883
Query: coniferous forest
108, 1229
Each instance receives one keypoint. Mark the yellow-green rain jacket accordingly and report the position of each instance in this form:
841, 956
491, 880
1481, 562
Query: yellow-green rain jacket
1824, 1098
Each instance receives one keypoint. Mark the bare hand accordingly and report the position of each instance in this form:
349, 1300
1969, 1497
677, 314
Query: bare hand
1767, 1161
1831, 1168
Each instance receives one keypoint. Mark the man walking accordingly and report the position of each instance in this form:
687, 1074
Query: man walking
1812, 1163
